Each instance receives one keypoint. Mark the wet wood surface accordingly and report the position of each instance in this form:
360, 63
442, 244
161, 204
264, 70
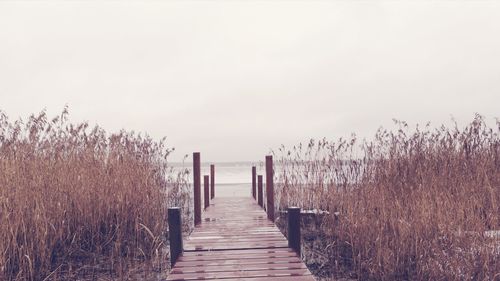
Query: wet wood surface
236, 241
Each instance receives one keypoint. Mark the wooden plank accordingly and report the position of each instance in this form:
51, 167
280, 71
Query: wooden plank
238, 267
275, 278
224, 257
241, 252
235, 261
239, 274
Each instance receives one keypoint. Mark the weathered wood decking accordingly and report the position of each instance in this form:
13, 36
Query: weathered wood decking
236, 241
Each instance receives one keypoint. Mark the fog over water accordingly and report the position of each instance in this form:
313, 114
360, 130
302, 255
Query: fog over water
234, 79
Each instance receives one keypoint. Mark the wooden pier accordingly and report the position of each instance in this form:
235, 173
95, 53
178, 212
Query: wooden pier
237, 240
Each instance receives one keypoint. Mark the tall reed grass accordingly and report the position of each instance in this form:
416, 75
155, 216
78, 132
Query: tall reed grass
70, 193
412, 204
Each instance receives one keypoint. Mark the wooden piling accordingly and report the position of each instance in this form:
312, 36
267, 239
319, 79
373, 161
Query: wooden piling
212, 181
175, 234
197, 188
254, 183
294, 229
270, 187
260, 196
206, 195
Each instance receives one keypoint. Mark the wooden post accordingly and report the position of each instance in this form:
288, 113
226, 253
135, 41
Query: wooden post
254, 184
206, 195
175, 234
212, 181
260, 196
269, 187
294, 229
197, 188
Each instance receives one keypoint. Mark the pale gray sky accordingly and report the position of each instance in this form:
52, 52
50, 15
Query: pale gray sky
233, 79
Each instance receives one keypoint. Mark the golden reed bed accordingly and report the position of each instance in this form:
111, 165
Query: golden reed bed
74, 198
410, 204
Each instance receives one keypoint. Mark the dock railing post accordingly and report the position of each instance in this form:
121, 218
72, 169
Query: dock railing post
206, 195
197, 188
260, 196
270, 187
294, 229
254, 183
175, 234
212, 181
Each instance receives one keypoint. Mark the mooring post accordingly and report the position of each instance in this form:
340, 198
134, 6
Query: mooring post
212, 181
260, 196
254, 183
269, 187
294, 229
175, 234
197, 188
206, 195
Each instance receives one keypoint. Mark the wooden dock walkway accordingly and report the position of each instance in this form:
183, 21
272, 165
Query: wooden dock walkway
237, 241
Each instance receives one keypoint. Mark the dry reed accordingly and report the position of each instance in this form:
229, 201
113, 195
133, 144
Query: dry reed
70, 195
416, 204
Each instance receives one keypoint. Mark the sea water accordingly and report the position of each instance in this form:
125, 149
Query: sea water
232, 179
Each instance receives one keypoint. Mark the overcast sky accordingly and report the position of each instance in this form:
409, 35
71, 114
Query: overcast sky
233, 79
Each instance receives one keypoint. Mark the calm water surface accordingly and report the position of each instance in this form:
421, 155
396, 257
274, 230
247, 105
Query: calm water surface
233, 179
